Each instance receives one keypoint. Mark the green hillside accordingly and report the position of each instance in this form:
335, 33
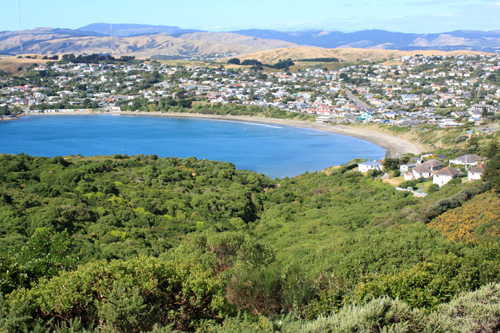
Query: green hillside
141, 243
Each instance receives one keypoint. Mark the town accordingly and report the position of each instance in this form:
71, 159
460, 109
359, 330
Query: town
448, 91
409, 91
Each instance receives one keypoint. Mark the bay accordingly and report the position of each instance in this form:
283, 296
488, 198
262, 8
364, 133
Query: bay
275, 150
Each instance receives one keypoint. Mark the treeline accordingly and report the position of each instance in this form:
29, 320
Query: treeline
85, 104
189, 105
281, 64
320, 60
95, 59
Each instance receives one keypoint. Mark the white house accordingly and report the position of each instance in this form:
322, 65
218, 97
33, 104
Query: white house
443, 176
370, 165
426, 169
407, 167
476, 173
433, 165
469, 159
421, 171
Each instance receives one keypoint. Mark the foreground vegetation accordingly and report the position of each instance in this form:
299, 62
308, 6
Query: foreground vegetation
143, 243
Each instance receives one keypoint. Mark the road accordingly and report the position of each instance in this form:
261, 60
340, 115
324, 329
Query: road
357, 101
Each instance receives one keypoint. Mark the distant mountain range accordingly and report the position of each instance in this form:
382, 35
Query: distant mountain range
133, 30
381, 39
146, 40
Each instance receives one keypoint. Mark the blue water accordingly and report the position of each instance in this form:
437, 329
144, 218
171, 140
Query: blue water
274, 150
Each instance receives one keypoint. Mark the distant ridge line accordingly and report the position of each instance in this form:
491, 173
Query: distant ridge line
148, 40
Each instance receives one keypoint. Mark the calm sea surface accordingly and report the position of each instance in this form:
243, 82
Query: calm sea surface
274, 150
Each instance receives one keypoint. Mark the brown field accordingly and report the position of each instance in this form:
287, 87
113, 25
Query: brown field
10, 64
296, 53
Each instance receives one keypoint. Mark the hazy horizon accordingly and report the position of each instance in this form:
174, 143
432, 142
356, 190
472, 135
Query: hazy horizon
249, 28
408, 16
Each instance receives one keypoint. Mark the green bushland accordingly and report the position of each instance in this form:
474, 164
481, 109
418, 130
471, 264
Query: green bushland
122, 207
142, 243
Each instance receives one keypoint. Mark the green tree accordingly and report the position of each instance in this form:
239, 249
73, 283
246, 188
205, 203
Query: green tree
234, 61
472, 144
492, 172
492, 148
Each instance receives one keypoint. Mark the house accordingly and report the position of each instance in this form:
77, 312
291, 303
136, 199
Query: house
370, 165
469, 159
421, 171
407, 167
476, 173
433, 165
443, 176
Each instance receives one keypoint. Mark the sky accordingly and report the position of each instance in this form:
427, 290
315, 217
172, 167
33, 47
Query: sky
416, 16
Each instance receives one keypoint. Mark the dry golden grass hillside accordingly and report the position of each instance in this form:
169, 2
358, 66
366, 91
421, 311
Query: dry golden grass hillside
10, 64
144, 46
296, 53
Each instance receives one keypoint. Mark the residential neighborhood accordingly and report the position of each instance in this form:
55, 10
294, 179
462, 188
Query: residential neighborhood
410, 91
448, 91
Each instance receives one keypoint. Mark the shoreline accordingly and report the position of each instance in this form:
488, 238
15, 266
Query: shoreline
394, 144
397, 146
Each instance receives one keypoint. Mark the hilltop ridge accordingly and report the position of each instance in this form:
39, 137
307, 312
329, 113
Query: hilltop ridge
146, 40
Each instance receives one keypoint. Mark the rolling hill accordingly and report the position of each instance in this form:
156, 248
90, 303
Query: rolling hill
199, 43
147, 40
343, 54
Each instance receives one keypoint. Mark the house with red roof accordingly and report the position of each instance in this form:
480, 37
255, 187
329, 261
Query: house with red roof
444, 175
476, 173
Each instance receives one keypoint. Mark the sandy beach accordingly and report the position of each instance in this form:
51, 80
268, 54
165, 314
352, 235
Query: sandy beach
397, 146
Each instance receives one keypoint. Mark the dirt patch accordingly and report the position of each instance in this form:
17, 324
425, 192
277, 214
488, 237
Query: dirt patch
392, 181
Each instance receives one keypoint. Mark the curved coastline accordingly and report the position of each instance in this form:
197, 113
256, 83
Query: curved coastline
397, 146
